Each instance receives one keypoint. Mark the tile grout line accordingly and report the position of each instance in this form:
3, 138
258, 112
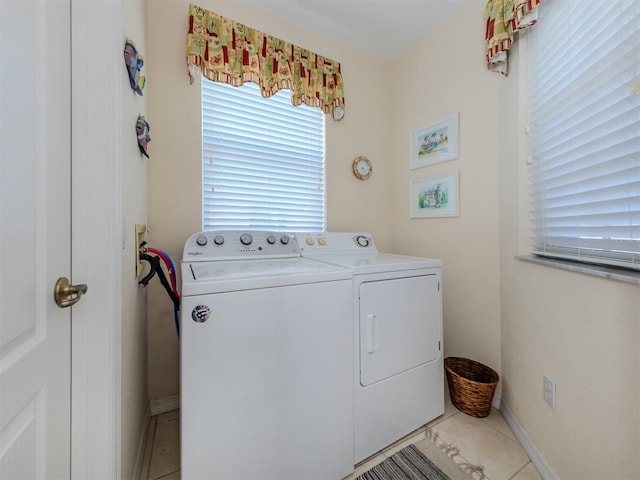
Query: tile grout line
503, 434
162, 422
515, 442
148, 449
166, 475
518, 471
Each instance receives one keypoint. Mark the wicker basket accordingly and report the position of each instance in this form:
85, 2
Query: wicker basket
471, 385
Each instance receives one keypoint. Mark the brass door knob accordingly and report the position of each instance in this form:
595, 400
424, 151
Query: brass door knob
66, 294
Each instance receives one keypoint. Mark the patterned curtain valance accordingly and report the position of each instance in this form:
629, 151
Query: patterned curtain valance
503, 18
230, 52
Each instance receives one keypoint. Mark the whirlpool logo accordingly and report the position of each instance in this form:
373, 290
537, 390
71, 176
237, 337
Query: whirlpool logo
200, 313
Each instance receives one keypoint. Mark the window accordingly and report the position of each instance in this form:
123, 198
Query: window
585, 130
263, 161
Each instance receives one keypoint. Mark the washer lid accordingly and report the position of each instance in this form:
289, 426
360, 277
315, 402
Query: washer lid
201, 278
376, 262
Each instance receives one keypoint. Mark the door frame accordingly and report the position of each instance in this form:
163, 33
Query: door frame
97, 237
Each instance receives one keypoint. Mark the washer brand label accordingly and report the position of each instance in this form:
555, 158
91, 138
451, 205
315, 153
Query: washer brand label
200, 313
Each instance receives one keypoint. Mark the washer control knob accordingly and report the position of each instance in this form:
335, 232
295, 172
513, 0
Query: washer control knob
322, 241
284, 239
218, 239
271, 239
310, 241
201, 240
246, 239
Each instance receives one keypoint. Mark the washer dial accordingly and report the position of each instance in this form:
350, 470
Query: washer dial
246, 239
201, 240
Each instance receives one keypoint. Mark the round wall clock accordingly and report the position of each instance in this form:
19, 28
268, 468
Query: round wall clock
362, 168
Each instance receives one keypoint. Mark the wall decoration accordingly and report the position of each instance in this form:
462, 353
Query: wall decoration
435, 197
134, 62
142, 131
435, 143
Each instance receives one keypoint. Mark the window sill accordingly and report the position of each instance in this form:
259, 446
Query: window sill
612, 273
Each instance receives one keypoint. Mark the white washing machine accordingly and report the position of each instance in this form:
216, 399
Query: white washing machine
267, 390
397, 318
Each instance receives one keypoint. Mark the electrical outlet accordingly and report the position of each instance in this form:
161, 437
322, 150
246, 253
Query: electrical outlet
141, 235
549, 391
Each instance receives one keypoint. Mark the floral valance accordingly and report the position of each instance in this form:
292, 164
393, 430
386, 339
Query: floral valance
503, 18
230, 52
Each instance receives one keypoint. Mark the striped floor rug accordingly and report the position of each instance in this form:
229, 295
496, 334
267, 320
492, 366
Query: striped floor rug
407, 464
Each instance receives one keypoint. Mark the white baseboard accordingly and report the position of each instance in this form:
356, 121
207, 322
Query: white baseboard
142, 442
497, 401
164, 405
529, 447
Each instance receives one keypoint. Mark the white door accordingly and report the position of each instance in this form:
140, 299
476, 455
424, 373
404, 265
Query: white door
35, 245
399, 326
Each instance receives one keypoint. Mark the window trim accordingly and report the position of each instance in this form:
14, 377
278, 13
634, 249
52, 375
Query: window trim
602, 271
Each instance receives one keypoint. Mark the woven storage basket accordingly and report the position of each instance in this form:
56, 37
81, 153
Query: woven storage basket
471, 385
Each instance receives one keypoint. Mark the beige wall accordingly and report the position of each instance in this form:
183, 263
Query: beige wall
174, 169
581, 330
135, 398
442, 75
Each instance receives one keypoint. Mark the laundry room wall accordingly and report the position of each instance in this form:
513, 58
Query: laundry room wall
441, 75
581, 330
135, 400
175, 165
523, 320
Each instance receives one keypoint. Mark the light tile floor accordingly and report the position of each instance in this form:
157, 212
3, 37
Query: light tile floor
482, 441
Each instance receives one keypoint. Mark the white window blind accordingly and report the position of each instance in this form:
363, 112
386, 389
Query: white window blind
263, 161
583, 58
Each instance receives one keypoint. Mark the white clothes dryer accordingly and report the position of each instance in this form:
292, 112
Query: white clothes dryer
397, 318
266, 353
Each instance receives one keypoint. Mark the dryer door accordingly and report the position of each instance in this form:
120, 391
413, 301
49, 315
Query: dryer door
400, 326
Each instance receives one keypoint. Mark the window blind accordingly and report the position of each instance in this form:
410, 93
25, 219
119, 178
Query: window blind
583, 57
263, 161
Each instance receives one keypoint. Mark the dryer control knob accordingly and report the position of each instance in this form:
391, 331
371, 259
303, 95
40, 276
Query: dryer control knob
271, 239
322, 241
201, 240
284, 240
246, 239
218, 239
310, 241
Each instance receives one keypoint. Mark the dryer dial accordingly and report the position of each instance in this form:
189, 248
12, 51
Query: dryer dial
284, 240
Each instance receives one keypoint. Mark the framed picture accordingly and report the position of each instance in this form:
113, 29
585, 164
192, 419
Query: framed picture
434, 144
435, 197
